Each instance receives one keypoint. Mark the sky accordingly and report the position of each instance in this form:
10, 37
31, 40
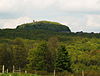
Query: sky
78, 15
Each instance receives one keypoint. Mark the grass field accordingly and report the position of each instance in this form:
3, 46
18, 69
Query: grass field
18, 74
88, 73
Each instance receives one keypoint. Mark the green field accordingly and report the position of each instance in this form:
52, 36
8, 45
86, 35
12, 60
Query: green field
87, 73
18, 74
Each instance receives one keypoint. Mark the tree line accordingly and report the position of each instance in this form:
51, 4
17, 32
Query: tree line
73, 55
45, 56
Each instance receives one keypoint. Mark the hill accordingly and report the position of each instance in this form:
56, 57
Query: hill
45, 25
43, 30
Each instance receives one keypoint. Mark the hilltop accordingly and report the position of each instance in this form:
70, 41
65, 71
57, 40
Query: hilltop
45, 25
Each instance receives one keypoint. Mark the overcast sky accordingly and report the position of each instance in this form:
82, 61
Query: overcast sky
79, 15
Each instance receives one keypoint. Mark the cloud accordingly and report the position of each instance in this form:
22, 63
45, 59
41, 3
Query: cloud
73, 22
93, 20
13, 23
24, 5
79, 5
64, 5
6, 5
93, 23
86, 23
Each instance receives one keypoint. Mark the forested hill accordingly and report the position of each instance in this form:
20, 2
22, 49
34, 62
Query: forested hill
45, 25
42, 30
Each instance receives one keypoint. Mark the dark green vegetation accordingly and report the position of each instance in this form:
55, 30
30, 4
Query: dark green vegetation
45, 25
34, 47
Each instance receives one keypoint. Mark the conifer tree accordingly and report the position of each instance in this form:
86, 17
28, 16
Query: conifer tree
63, 60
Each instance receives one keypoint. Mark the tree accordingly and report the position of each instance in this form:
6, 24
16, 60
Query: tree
52, 46
6, 56
20, 53
63, 60
38, 57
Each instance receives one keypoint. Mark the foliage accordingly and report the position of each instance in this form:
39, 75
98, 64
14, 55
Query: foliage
37, 57
63, 60
45, 25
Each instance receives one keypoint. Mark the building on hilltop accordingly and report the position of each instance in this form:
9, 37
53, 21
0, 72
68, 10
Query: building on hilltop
33, 21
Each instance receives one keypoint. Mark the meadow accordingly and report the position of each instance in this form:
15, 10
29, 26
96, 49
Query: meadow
18, 74
87, 73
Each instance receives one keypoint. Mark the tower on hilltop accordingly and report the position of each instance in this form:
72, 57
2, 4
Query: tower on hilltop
33, 21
